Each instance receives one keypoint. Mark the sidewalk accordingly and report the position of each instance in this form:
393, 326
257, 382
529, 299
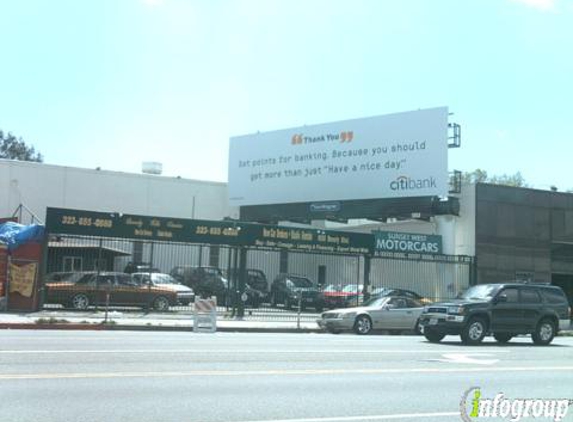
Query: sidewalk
95, 320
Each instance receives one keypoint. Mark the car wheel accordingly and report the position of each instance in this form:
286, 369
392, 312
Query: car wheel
433, 336
474, 331
544, 332
80, 301
363, 325
418, 328
161, 303
502, 337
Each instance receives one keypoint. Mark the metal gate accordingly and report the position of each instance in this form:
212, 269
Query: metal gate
436, 277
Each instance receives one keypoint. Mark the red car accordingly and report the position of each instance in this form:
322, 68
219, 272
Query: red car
342, 297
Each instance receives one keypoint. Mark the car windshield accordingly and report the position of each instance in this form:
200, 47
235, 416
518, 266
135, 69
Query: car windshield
479, 292
159, 278
213, 271
376, 302
352, 288
380, 291
299, 282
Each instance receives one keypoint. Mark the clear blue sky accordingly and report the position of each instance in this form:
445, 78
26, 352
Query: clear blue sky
112, 83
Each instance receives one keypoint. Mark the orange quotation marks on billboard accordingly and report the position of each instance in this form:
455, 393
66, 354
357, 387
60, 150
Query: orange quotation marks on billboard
346, 136
296, 139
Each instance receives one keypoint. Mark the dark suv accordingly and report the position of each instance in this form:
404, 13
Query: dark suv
288, 289
256, 286
504, 310
205, 281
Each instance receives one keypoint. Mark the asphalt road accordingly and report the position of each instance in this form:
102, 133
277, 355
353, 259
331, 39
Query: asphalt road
150, 376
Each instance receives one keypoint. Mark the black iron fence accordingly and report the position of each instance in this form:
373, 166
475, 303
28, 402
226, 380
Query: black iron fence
93, 272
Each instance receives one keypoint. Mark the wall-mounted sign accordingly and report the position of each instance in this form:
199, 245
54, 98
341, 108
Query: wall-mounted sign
325, 207
233, 233
22, 279
391, 156
408, 242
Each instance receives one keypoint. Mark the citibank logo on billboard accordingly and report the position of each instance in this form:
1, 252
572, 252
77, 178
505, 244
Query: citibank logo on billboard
342, 137
406, 183
408, 242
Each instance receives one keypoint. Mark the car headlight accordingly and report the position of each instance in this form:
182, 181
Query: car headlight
456, 310
348, 315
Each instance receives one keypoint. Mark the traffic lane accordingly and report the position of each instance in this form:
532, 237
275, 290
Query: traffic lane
213, 397
254, 353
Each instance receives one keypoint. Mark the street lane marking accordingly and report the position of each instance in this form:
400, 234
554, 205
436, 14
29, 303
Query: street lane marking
279, 372
466, 358
364, 418
244, 351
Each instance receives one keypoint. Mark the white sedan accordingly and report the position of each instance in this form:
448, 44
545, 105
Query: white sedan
392, 313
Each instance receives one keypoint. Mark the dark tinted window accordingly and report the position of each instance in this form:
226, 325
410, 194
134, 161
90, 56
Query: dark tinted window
398, 302
511, 294
125, 280
530, 296
553, 295
413, 303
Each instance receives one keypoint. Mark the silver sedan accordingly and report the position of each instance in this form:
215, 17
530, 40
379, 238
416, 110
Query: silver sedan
393, 313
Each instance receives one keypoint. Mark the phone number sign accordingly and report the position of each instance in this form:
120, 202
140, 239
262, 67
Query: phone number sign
233, 233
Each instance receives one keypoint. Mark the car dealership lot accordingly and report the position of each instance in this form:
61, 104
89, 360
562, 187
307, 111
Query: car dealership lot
93, 376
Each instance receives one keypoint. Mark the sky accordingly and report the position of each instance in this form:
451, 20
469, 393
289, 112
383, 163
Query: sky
114, 83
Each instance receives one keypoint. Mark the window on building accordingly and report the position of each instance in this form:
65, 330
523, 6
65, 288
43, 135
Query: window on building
73, 263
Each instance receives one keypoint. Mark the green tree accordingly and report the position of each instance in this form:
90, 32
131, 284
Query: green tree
481, 176
16, 149
476, 176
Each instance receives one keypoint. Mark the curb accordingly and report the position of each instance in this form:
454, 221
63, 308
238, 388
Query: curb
118, 327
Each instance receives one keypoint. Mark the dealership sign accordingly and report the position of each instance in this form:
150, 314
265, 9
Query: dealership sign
408, 242
232, 233
391, 156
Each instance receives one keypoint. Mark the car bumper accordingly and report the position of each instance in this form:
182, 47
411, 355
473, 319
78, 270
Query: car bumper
185, 299
335, 303
442, 323
335, 324
565, 324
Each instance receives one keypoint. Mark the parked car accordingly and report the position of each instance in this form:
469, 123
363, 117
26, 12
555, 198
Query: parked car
503, 310
288, 289
390, 291
64, 276
92, 289
256, 286
185, 294
140, 267
393, 313
205, 281
341, 297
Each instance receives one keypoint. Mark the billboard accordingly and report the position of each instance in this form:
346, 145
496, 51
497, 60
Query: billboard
392, 156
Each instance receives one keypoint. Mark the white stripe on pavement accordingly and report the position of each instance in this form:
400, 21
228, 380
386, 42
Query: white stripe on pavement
280, 372
245, 351
364, 418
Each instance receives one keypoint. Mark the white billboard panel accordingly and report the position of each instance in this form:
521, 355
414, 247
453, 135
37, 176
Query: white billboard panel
391, 156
